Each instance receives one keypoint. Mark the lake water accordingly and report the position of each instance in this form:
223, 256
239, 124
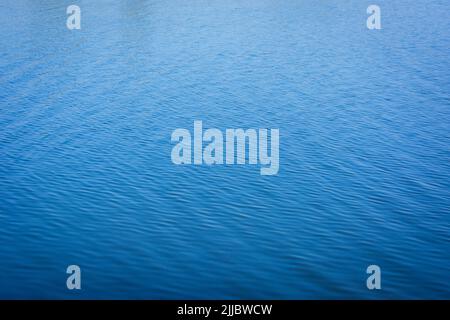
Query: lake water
86, 176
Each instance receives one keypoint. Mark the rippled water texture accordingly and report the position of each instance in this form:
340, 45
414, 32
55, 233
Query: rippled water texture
86, 176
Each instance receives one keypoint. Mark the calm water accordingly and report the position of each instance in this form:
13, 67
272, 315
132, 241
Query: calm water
86, 176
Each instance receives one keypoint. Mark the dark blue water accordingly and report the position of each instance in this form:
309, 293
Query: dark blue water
86, 176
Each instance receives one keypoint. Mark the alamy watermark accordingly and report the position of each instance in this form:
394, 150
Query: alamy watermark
374, 20
73, 21
74, 280
239, 145
374, 280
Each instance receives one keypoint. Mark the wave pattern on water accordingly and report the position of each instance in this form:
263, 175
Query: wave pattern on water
86, 176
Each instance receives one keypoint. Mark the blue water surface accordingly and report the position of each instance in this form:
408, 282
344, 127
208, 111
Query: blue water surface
86, 176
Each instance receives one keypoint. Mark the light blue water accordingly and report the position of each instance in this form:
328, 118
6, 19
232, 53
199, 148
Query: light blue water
86, 176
